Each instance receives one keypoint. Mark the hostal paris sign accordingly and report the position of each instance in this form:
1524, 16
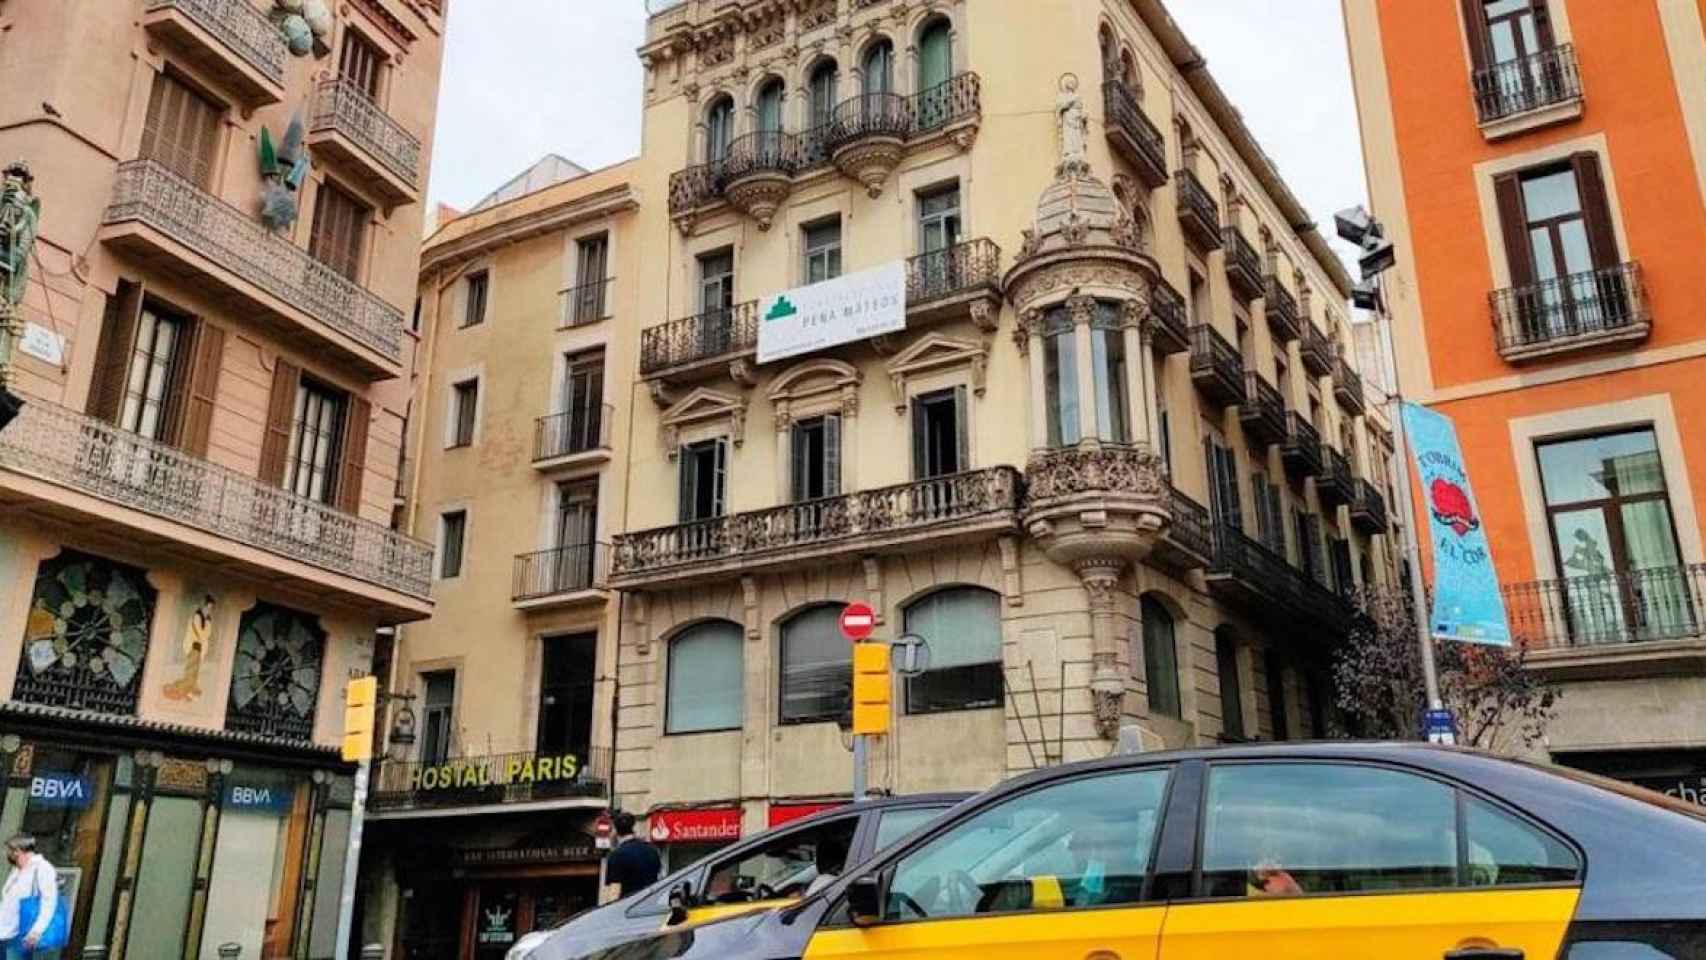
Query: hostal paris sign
494, 772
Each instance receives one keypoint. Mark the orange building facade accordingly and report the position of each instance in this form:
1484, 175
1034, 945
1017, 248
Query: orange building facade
1540, 166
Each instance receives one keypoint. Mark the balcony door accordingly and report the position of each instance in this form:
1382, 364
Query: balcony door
340, 225
359, 63
1516, 33
716, 302
936, 273
583, 401
181, 130
568, 668
1561, 250
577, 532
1614, 539
935, 69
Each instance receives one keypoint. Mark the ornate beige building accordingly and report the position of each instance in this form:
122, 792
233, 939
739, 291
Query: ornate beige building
195, 501
1118, 467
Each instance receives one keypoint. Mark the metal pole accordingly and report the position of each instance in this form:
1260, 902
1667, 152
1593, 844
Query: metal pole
352, 862
1412, 545
859, 772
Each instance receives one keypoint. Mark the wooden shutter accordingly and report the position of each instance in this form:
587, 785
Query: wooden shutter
352, 459
1475, 27
962, 430
359, 63
832, 455
181, 130
684, 486
339, 220
722, 469
1264, 523
1596, 210
1513, 221
201, 388
281, 413
797, 464
112, 355
920, 442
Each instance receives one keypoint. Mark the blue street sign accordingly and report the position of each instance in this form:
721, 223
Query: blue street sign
1439, 727
58, 790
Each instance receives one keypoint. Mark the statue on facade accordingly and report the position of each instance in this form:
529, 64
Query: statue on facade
1074, 125
20, 221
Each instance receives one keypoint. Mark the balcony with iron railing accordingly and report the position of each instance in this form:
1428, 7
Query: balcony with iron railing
59, 464
690, 347
1595, 309
1170, 326
541, 781
961, 279
232, 42
1199, 213
1284, 318
1243, 265
1615, 625
1263, 411
351, 131
585, 303
1336, 485
1317, 351
1132, 135
159, 216
1189, 541
564, 576
1301, 451
577, 436
1548, 80
1347, 387
1216, 366
1368, 509
1250, 575
940, 510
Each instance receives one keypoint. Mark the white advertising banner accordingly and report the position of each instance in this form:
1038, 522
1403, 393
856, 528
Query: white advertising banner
857, 306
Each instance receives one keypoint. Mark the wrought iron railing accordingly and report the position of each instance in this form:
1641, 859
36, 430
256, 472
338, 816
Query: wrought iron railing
1317, 350
870, 115
1584, 305
1632, 606
902, 510
499, 778
967, 265
576, 431
151, 194
815, 147
1263, 412
1190, 527
1243, 264
1198, 210
761, 152
1337, 484
343, 106
1527, 83
1347, 386
695, 186
1125, 115
957, 98
708, 335
1172, 327
1368, 508
1281, 307
62, 446
1216, 365
1272, 582
568, 569
1301, 450
585, 303
241, 26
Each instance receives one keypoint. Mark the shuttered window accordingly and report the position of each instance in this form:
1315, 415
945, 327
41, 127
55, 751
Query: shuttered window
1223, 485
703, 479
156, 371
311, 466
453, 530
181, 130
360, 62
1556, 221
816, 458
339, 224
474, 300
155, 361
941, 440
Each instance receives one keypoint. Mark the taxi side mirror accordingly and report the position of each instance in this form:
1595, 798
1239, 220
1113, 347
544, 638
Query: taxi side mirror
864, 901
680, 899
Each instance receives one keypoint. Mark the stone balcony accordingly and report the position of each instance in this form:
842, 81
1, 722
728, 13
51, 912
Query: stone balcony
970, 506
351, 132
168, 222
60, 465
230, 41
1095, 502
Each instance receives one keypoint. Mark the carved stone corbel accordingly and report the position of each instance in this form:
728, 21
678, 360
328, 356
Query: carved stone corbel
741, 372
1012, 585
749, 597
662, 394
670, 436
985, 315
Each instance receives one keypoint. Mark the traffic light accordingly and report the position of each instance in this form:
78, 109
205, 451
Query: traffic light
360, 698
871, 688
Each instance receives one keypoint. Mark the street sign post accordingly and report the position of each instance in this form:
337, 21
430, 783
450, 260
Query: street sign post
910, 655
858, 620
603, 831
1440, 727
361, 700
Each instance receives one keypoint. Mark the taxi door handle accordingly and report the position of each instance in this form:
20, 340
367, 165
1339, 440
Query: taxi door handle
1485, 953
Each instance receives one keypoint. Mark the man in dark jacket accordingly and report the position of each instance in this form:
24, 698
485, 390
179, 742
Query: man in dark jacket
634, 865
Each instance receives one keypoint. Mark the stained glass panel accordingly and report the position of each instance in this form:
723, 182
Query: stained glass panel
275, 681
86, 635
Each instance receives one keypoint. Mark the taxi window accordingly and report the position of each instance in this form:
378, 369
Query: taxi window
1290, 829
1082, 843
898, 823
783, 867
1505, 850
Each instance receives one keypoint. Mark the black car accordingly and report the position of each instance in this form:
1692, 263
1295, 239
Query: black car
1276, 851
772, 869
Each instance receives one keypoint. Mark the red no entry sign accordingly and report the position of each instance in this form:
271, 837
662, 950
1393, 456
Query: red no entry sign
857, 621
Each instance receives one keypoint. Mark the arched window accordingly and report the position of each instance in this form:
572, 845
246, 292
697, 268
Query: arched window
935, 54
878, 68
705, 688
719, 129
962, 625
823, 92
1128, 72
817, 666
770, 97
1105, 41
1231, 690
1160, 658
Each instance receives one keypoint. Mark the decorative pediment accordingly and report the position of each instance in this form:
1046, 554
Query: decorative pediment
701, 406
815, 380
934, 351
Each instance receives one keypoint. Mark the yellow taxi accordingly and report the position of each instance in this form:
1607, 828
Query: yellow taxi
1272, 852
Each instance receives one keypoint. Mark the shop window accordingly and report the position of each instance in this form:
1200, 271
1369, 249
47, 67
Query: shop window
275, 680
963, 627
253, 856
86, 635
706, 679
166, 881
817, 666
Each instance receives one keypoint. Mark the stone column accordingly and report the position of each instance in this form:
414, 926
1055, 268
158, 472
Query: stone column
1141, 400
784, 451
850, 439
1083, 309
1101, 578
1030, 334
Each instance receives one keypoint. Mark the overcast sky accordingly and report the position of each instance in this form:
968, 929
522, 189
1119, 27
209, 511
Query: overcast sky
1281, 61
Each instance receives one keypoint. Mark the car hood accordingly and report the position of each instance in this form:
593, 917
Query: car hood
728, 939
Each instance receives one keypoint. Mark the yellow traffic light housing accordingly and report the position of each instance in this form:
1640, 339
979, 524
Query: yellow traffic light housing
360, 699
872, 688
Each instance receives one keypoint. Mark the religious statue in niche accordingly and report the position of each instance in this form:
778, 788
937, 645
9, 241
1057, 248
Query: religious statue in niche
284, 168
1073, 122
306, 25
193, 649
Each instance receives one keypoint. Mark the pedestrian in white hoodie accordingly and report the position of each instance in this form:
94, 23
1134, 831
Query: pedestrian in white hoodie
31, 875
